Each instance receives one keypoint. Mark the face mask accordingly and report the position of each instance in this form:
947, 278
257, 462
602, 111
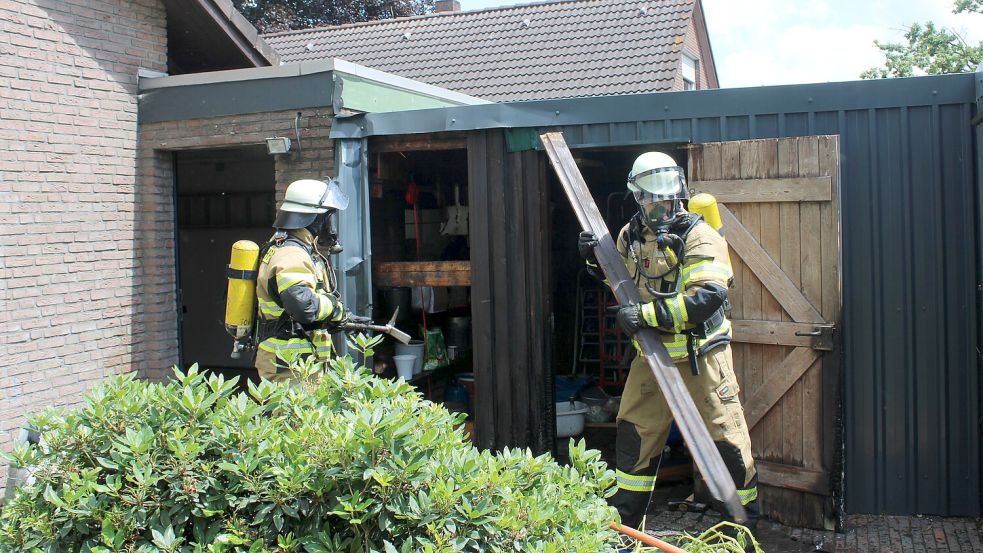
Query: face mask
657, 212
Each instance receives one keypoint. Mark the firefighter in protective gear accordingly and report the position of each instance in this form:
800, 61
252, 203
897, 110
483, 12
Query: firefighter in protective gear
681, 267
295, 286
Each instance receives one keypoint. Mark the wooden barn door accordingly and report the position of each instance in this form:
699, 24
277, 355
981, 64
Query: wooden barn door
780, 210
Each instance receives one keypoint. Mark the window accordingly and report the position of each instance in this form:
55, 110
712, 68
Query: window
689, 72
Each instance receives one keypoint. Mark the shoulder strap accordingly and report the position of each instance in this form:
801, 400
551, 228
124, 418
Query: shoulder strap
682, 226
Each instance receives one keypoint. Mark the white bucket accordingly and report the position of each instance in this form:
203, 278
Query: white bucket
414, 348
570, 418
404, 366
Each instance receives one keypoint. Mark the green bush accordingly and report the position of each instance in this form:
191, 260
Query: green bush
348, 462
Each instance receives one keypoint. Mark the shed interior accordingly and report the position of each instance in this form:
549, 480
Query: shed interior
421, 250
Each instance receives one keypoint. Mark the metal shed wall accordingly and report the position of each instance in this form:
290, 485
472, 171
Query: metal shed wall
911, 253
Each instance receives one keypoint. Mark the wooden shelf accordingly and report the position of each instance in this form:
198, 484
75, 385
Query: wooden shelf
395, 274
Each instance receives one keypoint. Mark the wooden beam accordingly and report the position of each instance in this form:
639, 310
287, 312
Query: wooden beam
792, 189
774, 333
767, 271
668, 377
424, 142
422, 273
792, 477
777, 382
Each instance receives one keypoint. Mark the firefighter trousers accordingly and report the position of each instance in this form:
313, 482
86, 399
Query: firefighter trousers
644, 420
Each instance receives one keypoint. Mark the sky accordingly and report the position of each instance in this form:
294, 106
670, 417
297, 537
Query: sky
767, 42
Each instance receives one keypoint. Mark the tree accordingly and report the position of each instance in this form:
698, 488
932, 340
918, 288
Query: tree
270, 16
930, 49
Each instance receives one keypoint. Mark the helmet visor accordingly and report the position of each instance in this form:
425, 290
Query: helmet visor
334, 197
663, 183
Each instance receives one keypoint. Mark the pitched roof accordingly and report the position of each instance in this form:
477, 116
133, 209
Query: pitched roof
550, 50
210, 35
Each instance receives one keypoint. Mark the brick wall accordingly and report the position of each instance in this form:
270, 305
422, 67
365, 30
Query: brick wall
68, 135
691, 45
158, 141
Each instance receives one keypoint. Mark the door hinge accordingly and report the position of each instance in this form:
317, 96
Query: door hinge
823, 335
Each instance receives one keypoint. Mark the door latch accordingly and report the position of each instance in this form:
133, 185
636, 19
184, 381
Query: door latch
823, 335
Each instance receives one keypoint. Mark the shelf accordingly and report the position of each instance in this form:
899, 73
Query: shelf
396, 274
589, 424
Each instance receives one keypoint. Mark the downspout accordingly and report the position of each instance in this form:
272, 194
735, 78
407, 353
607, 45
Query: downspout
353, 264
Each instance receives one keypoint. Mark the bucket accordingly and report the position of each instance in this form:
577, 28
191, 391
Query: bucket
459, 332
467, 380
414, 348
398, 299
596, 400
404, 366
570, 418
567, 387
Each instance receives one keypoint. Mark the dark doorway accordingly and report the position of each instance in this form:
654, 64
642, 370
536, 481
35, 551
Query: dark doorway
223, 195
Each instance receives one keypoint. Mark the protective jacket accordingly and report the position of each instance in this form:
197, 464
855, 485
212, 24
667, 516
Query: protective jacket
295, 292
693, 319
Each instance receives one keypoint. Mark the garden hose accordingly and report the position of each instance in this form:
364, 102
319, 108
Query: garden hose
645, 538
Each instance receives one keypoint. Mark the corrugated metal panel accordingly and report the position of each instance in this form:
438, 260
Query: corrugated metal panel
910, 255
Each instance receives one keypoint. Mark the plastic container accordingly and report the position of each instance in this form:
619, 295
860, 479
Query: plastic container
414, 348
457, 394
467, 380
596, 399
404, 366
570, 418
567, 387
459, 332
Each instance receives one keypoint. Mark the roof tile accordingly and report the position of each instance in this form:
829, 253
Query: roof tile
568, 48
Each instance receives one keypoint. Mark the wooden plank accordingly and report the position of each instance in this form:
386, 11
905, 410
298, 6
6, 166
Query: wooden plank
831, 308
482, 319
765, 269
424, 142
750, 222
730, 168
392, 274
788, 258
541, 406
775, 333
778, 382
793, 478
770, 238
756, 190
812, 275
500, 249
668, 377
518, 300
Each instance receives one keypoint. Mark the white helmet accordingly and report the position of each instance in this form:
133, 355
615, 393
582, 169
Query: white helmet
655, 177
306, 199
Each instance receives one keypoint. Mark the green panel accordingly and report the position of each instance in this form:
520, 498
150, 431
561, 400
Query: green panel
368, 96
520, 140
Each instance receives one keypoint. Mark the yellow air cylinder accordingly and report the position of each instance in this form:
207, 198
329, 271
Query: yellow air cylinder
240, 304
706, 205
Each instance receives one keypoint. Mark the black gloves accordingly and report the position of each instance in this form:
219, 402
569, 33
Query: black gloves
586, 243
629, 317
